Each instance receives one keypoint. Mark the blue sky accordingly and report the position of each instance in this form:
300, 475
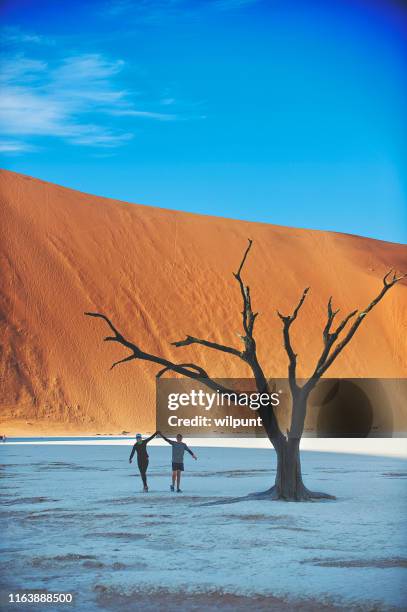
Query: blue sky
284, 111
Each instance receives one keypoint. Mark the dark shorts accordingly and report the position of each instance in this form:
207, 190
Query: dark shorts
177, 466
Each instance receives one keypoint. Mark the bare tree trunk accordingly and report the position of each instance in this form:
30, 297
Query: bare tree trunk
289, 485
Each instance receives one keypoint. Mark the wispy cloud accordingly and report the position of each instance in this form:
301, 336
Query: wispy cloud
75, 99
12, 35
147, 114
14, 146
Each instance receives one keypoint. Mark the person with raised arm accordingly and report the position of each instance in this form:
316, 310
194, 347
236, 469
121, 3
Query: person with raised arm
178, 449
140, 447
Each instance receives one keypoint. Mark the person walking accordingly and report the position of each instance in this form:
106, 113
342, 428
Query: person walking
140, 447
178, 449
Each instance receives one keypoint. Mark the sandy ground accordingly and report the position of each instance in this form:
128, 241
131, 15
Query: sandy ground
75, 520
161, 275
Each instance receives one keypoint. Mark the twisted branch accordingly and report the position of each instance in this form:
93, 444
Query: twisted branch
329, 337
189, 370
292, 357
327, 358
214, 345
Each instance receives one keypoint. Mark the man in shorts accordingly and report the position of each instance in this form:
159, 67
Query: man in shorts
178, 449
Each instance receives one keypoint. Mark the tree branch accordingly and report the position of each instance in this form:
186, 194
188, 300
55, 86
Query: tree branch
327, 357
330, 338
244, 258
214, 345
116, 363
248, 322
189, 370
248, 315
331, 315
202, 373
108, 321
287, 322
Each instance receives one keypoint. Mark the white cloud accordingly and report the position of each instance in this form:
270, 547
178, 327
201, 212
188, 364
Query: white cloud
92, 137
23, 111
72, 100
12, 35
90, 66
147, 114
21, 69
14, 146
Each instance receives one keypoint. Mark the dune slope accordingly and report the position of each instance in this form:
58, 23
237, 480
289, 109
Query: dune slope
159, 275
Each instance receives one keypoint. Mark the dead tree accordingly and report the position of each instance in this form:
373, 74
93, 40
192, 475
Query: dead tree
288, 483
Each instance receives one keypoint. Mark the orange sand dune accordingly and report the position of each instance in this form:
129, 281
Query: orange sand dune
159, 275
